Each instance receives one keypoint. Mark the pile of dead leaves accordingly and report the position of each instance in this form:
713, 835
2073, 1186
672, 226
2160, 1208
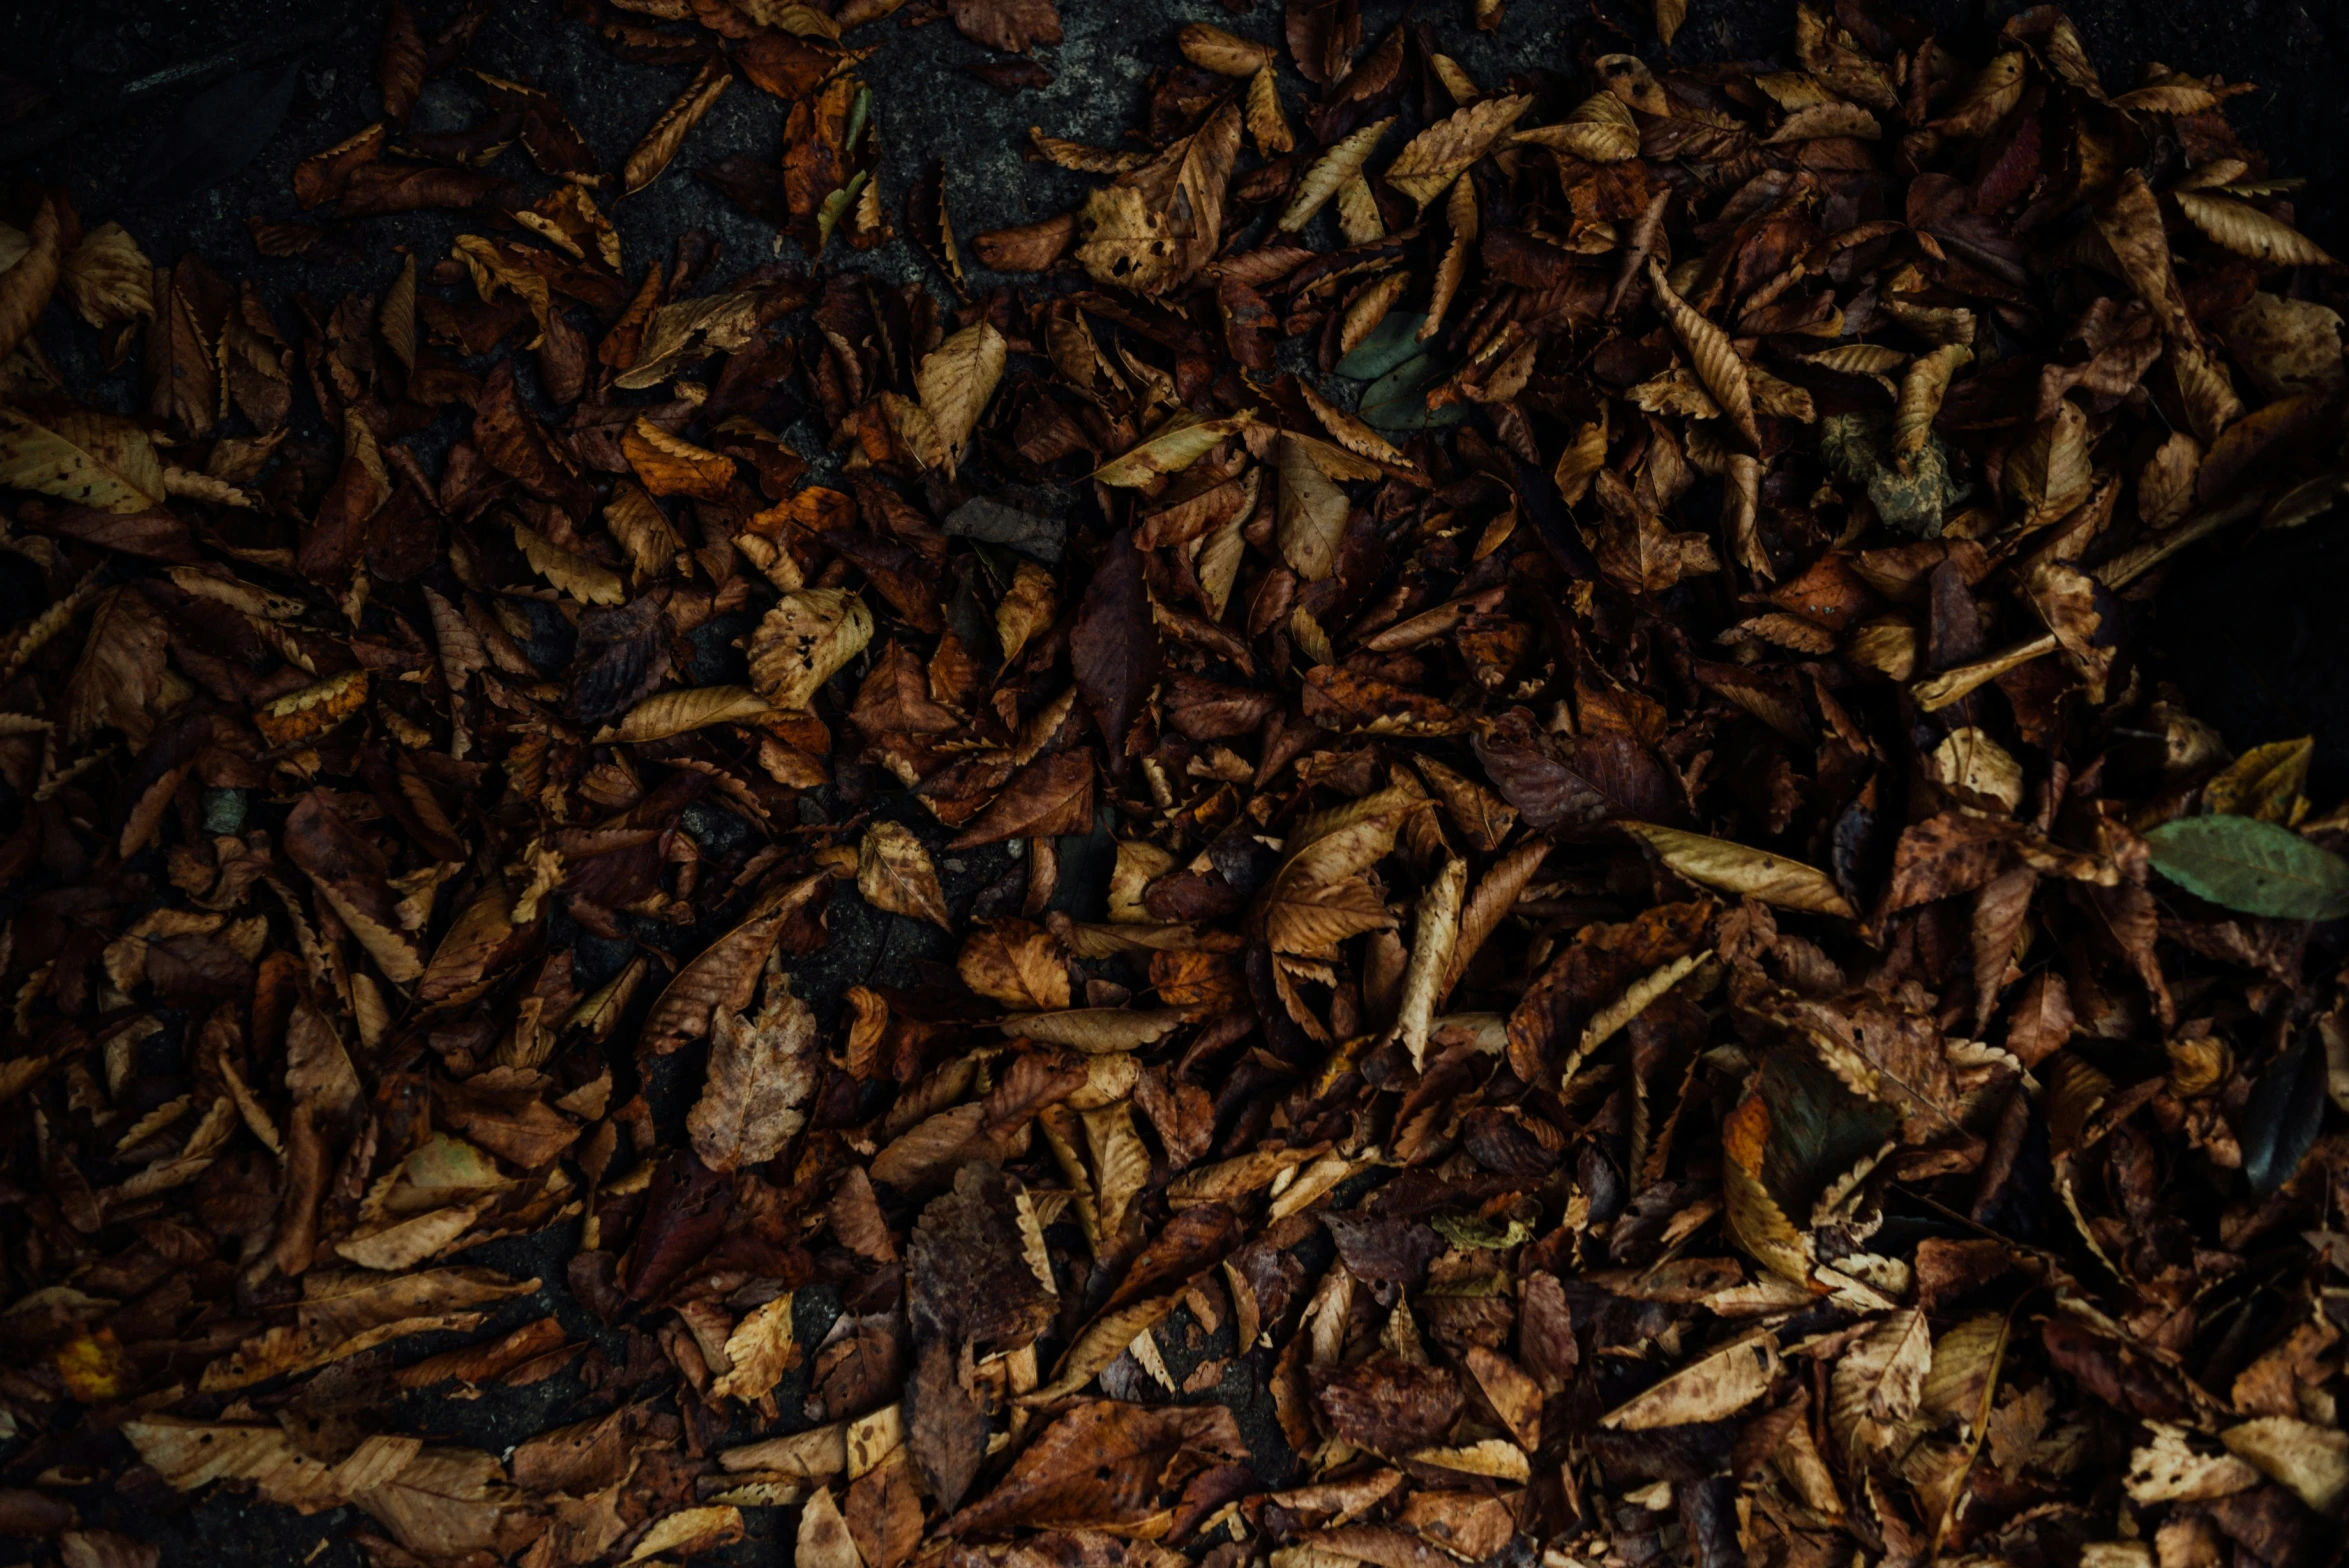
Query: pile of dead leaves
1552, 914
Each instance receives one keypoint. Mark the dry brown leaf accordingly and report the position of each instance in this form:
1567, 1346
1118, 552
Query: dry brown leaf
1157, 225
955, 381
667, 464
1712, 1388
763, 1071
2248, 231
1737, 868
804, 641
1226, 54
659, 145
894, 873
1436, 156
26, 286
107, 278
1339, 163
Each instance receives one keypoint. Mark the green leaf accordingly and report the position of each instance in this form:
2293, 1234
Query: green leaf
2252, 866
1398, 399
1383, 347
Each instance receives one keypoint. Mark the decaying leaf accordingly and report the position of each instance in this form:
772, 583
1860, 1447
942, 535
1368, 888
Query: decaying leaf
894, 873
1581, 912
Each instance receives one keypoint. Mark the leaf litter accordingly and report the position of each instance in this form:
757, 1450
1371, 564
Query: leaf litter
1595, 944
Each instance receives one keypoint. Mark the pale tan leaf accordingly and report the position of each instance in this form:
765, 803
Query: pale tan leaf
411, 1241
1514, 1395
824, 1541
2310, 1460
1718, 364
1171, 448
689, 1531
2169, 1469
1084, 159
1266, 122
1234, 1178
1311, 513
1028, 606
643, 530
763, 1071
1827, 119
1096, 1029
668, 133
85, 458
1226, 54
1495, 895
2250, 231
689, 708
1597, 130
1121, 1165
1880, 1381
1159, 224
1712, 1388
589, 582
957, 378
1099, 1344
1436, 156
1921, 392
1738, 868
1434, 937
761, 1349
1965, 1371
1349, 432
804, 641
107, 278
1017, 965
1359, 219
893, 872
1341, 162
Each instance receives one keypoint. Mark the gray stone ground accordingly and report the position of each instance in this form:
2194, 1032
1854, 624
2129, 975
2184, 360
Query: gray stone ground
86, 51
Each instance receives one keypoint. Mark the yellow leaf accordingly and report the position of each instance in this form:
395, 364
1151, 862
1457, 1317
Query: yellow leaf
1737, 868
1171, 448
690, 708
89, 459
2265, 782
1710, 1389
